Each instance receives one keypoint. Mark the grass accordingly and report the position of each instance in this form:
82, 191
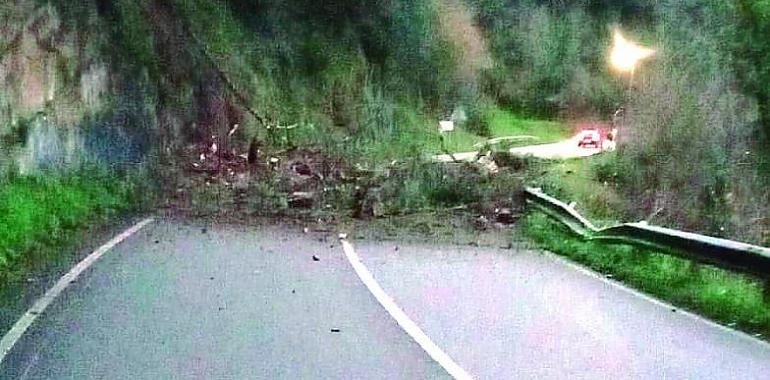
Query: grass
732, 299
41, 212
729, 298
583, 181
503, 123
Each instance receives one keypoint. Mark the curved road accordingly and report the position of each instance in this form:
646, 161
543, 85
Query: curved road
188, 301
561, 150
230, 303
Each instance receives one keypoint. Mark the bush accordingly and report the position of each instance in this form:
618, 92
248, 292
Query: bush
549, 59
685, 127
605, 168
44, 210
478, 119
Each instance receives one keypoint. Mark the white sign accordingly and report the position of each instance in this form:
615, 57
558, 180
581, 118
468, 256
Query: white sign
446, 126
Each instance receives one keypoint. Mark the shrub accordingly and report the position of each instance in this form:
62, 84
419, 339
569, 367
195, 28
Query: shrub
42, 211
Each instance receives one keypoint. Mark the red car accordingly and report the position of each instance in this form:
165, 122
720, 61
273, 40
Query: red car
590, 137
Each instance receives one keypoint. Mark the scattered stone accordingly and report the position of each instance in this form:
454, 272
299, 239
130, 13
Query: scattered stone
293, 291
302, 168
306, 230
335, 330
157, 241
211, 278
481, 222
395, 248
343, 236
316, 258
233, 130
609, 275
488, 164
204, 230
505, 216
673, 310
301, 199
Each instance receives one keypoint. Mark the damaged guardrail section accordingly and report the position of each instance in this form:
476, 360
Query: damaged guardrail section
723, 253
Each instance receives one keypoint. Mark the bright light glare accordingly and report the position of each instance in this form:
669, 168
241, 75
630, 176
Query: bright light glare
625, 55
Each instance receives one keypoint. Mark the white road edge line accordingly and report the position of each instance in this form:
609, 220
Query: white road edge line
625, 288
401, 318
21, 326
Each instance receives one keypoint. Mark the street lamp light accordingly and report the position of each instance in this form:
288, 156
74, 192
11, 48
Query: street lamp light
624, 57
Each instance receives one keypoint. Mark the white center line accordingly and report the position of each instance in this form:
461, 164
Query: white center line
401, 318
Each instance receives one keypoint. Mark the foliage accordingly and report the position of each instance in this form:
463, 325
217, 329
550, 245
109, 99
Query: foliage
577, 180
686, 127
693, 111
745, 34
43, 211
550, 57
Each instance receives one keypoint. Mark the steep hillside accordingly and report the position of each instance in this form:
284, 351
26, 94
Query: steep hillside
156, 75
104, 101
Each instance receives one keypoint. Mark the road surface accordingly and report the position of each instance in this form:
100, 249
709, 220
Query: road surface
189, 301
230, 303
519, 314
560, 150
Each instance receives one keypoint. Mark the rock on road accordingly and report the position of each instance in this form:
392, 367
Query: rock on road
176, 301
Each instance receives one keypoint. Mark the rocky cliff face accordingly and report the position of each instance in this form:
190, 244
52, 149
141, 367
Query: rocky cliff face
50, 81
107, 81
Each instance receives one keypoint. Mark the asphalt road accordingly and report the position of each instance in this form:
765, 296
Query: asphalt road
518, 314
175, 302
561, 150
230, 303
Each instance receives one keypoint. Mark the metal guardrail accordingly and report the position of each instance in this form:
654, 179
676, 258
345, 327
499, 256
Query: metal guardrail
727, 254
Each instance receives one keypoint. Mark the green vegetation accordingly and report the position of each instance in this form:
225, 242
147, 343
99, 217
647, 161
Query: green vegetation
503, 123
589, 183
732, 299
366, 83
44, 211
692, 112
430, 186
